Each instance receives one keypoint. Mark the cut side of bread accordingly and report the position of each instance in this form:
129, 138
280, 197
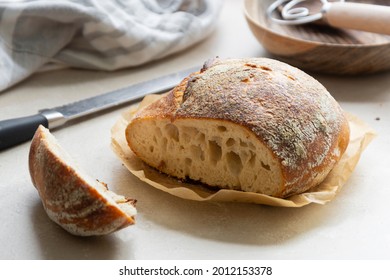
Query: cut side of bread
218, 152
256, 125
71, 198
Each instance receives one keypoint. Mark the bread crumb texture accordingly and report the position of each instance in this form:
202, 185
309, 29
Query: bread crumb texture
255, 125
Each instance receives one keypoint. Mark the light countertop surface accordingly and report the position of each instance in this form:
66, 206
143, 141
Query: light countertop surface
355, 225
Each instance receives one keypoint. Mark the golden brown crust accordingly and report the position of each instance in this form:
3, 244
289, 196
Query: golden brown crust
68, 198
289, 111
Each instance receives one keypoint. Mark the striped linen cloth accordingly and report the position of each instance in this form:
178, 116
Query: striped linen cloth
93, 34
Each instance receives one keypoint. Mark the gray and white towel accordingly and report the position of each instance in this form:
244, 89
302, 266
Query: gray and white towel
93, 34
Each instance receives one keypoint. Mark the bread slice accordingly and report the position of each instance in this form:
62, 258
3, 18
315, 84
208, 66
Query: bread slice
81, 205
256, 125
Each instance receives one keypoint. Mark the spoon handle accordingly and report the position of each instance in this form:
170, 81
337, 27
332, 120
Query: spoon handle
364, 17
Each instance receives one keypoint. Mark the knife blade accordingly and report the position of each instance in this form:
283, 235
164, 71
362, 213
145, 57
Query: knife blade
19, 130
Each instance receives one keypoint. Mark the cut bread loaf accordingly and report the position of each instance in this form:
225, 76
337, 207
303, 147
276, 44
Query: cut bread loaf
81, 205
255, 125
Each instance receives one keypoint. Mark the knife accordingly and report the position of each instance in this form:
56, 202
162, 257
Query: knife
19, 130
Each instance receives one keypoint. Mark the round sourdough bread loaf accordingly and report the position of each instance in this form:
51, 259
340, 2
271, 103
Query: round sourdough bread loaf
255, 125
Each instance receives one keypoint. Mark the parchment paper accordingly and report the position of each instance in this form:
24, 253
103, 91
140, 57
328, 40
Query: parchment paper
361, 136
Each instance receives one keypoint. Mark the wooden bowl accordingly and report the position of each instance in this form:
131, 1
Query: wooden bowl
320, 48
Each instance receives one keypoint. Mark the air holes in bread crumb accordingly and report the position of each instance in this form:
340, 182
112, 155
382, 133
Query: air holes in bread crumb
222, 128
234, 163
172, 131
243, 144
252, 160
230, 142
201, 138
197, 152
265, 166
215, 152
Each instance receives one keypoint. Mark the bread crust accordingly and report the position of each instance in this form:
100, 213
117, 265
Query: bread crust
69, 198
290, 112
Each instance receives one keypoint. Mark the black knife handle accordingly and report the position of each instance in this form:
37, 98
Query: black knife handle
19, 130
